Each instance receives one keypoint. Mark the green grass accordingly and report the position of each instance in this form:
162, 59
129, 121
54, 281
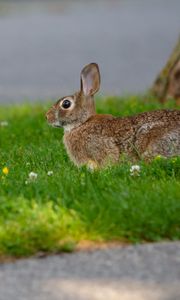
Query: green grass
53, 213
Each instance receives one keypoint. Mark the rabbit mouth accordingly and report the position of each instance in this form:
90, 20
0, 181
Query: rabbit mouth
56, 126
60, 124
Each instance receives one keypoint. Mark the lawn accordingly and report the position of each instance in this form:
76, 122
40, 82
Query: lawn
55, 212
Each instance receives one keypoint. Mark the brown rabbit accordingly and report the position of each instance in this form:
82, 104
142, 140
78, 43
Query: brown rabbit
96, 140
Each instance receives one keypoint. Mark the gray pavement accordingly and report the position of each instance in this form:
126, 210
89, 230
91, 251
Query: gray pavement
144, 272
44, 44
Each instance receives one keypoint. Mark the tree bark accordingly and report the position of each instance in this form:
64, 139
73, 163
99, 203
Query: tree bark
167, 83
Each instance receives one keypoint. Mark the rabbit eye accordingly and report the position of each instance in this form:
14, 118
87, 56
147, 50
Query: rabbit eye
66, 104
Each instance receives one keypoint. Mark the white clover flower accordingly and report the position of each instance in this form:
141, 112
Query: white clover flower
33, 176
4, 123
50, 173
135, 170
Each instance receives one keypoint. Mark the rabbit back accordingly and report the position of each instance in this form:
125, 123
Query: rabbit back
160, 135
154, 133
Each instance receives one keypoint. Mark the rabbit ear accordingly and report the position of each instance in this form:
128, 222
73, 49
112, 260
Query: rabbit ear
90, 79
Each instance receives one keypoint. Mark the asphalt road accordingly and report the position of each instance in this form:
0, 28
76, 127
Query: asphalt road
146, 272
44, 45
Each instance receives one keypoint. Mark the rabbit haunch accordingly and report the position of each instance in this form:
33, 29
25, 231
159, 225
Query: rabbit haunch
97, 140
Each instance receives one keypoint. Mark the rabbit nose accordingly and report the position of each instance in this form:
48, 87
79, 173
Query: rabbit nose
48, 114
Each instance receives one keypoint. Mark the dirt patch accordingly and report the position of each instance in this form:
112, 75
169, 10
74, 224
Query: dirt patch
86, 245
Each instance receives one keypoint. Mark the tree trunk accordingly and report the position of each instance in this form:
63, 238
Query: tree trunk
167, 83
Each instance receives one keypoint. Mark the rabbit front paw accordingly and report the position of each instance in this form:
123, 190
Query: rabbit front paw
92, 165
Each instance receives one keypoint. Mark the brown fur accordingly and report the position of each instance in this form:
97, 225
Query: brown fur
97, 140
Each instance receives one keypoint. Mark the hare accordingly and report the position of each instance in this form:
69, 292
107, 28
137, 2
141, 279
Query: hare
96, 140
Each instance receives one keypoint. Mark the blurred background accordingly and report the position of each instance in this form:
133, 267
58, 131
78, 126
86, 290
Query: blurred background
44, 45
